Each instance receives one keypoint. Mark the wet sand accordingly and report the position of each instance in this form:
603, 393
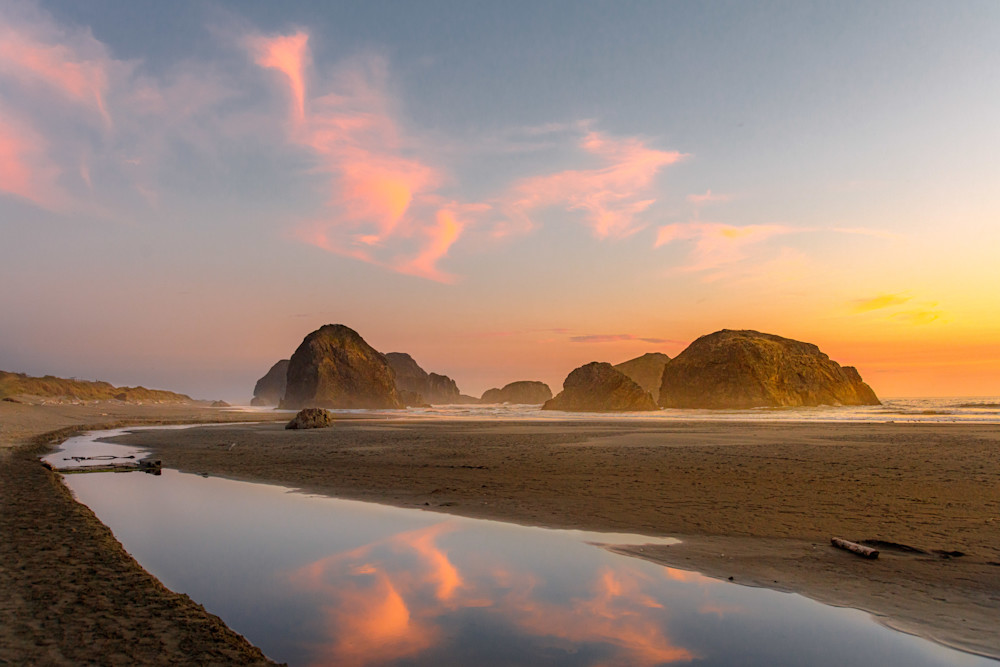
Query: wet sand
755, 502
71, 594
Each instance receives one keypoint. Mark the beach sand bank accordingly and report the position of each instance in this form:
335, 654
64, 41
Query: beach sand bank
757, 502
71, 594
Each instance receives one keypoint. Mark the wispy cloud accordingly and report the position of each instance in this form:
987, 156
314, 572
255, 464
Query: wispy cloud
708, 197
610, 196
23, 168
878, 302
617, 338
717, 244
919, 316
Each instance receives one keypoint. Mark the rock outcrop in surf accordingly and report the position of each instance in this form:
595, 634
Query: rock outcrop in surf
430, 387
748, 369
598, 387
335, 368
522, 392
646, 371
270, 389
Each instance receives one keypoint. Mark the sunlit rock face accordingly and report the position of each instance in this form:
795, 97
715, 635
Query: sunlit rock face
431, 387
598, 387
270, 389
522, 392
335, 368
646, 371
748, 369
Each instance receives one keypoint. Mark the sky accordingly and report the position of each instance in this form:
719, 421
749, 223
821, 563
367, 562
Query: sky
505, 191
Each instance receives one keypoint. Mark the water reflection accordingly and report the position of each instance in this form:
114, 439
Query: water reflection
399, 597
317, 581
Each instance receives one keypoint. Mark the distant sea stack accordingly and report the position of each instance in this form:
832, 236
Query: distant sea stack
748, 369
335, 368
270, 389
431, 387
646, 371
523, 392
598, 387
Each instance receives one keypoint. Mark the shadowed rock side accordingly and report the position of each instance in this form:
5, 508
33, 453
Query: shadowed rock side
598, 387
431, 387
748, 369
646, 371
523, 392
335, 368
270, 389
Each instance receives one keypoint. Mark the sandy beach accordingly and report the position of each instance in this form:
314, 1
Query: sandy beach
753, 501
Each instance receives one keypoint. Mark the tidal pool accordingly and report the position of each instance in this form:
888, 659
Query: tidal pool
314, 580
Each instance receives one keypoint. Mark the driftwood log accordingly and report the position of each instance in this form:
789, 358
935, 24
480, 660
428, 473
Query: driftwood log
854, 547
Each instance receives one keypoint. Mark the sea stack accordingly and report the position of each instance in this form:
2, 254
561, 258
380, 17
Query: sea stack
430, 387
748, 369
598, 387
522, 392
646, 371
335, 368
270, 389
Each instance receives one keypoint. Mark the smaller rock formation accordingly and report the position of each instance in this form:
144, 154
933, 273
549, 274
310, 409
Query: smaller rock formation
646, 371
598, 387
747, 369
335, 368
434, 388
310, 418
220, 404
523, 392
270, 389
412, 399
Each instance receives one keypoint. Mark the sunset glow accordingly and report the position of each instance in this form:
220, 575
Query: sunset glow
241, 177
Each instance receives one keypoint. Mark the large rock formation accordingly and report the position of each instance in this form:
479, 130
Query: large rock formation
749, 369
433, 388
523, 392
598, 387
335, 368
646, 371
270, 389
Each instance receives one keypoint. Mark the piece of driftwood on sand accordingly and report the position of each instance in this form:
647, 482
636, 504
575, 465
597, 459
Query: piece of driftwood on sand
854, 547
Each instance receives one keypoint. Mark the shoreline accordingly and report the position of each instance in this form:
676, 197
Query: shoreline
414, 458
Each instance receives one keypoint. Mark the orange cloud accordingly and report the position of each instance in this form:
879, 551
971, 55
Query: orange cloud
717, 244
919, 316
878, 302
287, 54
382, 205
611, 196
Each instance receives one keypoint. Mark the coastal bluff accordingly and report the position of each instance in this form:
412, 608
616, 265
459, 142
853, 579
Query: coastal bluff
522, 392
335, 368
744, 369
598, 387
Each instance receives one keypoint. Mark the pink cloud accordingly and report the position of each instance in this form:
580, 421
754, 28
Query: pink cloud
27, 56
24, 171
287, 54
611, 196
383, 205
616, 338
717, 244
